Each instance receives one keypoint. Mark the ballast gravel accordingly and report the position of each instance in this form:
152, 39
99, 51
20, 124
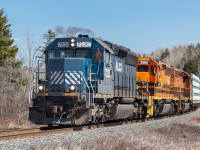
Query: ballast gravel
137, 135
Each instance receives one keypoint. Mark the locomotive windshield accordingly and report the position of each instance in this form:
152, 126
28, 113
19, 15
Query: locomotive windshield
75, 53
82, 53
66, 53
142, 68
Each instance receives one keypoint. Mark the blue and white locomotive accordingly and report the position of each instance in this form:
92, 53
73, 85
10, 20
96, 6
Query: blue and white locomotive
87, 80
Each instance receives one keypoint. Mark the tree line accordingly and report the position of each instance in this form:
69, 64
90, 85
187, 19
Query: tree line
186, 57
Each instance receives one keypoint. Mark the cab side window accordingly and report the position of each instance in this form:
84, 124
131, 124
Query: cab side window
107, 59
97, 56
167, 71
176, 74
153, 70
51, 54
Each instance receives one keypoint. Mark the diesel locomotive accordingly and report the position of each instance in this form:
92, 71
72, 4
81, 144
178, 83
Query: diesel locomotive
89, 80
169, 88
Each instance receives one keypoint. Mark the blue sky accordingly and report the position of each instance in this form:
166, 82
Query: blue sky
141, 25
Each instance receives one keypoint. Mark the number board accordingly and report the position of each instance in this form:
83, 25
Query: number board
144, 62
78, 44
63, 44
84, 44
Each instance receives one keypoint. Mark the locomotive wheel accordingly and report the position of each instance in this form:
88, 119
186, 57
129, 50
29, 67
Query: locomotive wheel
137, 115
175, 108
95, 118
144, 112
156, 110
172, 111
102, 119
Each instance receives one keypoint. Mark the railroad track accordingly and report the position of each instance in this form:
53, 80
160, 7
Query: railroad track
26, 133
43, 131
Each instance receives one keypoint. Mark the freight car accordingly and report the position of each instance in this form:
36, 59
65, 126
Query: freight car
87, 80
195, 90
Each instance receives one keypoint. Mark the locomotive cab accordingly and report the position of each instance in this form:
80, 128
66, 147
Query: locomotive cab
147, 76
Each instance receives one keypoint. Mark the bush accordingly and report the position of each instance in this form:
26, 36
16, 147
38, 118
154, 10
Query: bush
14, 85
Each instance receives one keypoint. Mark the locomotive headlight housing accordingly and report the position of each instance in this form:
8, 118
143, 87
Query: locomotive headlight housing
72, 87
72, 40
41, 87
72, 44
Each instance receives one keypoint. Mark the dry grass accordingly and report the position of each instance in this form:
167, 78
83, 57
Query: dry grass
14, 123
195, 121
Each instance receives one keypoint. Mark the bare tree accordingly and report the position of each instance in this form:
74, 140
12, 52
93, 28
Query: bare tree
33, 50
60, 31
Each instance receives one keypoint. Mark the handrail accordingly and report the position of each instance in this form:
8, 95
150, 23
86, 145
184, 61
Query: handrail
90, 79
88, 89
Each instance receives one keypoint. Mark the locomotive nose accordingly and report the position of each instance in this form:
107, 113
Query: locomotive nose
142, 76
67, 75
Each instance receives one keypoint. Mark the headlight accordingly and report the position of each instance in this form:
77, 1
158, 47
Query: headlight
41, 87
72, 44
72, 87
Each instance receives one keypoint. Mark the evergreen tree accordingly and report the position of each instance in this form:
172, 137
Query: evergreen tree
49, 37
7, 50
192, 65
165, 54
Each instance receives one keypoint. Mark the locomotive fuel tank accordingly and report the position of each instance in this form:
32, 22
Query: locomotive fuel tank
163, 109
127, 100
121, 111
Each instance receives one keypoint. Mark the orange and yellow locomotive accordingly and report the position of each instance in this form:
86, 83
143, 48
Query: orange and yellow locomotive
168, 88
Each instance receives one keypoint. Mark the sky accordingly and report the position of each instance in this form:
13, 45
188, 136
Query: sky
141, 25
